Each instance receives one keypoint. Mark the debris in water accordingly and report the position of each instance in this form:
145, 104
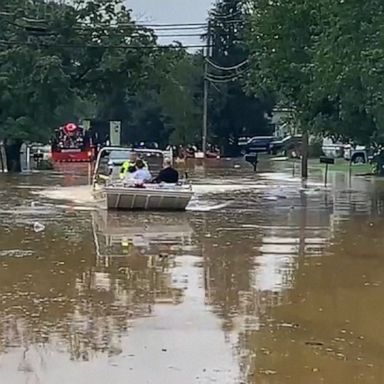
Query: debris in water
314, 343
268, 372
37, 227
289, 325
270, 198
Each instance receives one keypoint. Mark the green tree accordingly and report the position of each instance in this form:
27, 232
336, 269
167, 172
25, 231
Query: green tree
323, 60
58, 61
181, 96
233, 112
280, 38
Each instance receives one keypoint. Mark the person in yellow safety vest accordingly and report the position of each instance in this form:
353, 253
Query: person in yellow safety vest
130, 166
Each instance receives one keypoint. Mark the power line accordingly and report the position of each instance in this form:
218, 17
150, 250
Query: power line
216, 66
224, 17
104, 46
155, 27
174, 25
223, 77
162, 26
221, 81
185, 24
181, 35
217, 78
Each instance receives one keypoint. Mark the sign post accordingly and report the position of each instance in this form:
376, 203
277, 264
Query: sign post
87, 124
115, 133
326, 160
253, 159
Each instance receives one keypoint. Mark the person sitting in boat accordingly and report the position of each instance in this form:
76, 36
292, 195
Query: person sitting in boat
168, 174
129, 166
141, 175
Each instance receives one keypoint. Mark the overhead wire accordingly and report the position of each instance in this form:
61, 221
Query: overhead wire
232, 68
176, 30
104, 46
220, 78
167, 26
224, 17
213, 81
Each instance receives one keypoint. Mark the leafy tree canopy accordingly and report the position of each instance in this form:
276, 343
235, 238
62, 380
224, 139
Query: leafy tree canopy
323, 60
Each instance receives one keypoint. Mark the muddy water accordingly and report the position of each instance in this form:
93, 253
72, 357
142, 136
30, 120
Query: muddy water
263, 280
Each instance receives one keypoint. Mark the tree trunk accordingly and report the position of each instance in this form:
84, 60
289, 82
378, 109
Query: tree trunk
304, 156
3, 158
13, 155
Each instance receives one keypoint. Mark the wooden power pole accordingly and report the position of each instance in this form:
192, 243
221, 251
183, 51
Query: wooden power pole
206, 90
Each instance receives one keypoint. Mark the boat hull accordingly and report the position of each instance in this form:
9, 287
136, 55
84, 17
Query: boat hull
147, 199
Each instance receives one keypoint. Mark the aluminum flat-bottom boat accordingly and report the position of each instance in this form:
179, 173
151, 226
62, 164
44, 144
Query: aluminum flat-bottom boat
121, 196
148, 197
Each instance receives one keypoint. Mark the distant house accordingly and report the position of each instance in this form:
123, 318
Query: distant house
282, 122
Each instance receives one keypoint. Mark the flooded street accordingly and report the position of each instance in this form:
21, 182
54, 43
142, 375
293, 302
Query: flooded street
262, 280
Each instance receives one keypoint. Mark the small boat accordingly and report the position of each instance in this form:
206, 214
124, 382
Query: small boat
121, 196
148, 197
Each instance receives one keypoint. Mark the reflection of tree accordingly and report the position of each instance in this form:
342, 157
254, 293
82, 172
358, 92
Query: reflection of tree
59, 294
334, 301
227, 269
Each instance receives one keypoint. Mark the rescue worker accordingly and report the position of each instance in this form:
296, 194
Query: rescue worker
129, 166
141, 175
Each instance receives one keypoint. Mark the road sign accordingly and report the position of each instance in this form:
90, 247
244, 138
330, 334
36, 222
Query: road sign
327, 160
115, 133
87, 124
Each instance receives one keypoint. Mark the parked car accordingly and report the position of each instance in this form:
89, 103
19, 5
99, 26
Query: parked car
257, 144
40, 152
290, 146
332, 148
356, 154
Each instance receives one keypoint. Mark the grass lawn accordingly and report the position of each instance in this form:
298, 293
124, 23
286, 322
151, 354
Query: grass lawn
340, 165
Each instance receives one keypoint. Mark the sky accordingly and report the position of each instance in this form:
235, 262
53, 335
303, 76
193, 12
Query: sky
171, 12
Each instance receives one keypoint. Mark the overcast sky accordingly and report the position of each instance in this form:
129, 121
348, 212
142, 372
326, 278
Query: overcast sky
171, 12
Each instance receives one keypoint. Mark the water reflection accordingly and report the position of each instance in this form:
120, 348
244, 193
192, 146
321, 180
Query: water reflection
116, 234
282, 286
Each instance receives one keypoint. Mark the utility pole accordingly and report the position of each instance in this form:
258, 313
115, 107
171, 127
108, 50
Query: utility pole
206, 90
304, 155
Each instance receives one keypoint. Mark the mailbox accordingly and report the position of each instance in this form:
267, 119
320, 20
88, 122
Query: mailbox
252, 158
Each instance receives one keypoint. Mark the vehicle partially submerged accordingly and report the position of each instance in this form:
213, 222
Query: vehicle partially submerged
124, 195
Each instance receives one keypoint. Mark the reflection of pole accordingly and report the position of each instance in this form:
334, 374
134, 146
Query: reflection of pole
350, 174
304, 156
206, 90
207, 270
28, 158
303, 224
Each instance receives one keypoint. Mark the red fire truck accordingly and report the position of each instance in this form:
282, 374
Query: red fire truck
72, 143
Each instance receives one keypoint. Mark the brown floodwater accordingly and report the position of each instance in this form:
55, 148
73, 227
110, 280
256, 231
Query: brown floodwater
264, 279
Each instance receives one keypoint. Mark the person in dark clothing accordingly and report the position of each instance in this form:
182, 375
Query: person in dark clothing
168, 174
